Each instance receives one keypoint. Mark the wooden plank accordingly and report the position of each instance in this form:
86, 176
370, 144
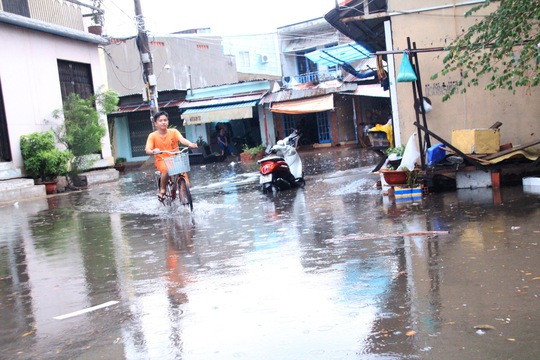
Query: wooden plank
476, 163
504, 152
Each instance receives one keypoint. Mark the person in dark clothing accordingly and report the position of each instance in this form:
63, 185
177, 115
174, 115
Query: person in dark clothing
224, 145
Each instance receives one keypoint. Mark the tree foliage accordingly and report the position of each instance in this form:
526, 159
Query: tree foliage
42, 160
503, 47
81, 131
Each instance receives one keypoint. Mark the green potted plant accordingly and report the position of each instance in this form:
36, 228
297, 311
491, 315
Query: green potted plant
393, 174
43, 161
81, 129
252, 153
119, 164
394, 156
98, 18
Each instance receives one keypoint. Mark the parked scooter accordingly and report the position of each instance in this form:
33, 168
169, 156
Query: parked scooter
282, 168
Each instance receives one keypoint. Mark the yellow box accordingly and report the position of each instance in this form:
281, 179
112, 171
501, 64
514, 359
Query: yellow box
477, 141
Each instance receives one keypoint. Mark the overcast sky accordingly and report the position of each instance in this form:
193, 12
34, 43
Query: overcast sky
224, 17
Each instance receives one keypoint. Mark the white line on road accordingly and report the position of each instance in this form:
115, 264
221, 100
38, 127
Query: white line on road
80, 312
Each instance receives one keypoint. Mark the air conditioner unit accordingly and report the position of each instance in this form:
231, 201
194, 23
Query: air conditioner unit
264, 58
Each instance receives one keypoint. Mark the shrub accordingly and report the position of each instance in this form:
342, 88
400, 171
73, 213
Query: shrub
254, 150
43, 161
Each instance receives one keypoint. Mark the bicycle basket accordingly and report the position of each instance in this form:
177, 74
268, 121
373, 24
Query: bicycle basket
177, 164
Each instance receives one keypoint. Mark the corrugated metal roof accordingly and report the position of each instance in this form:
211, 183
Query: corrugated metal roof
340, 54
302, 93
145, 107
369, 32
54, 29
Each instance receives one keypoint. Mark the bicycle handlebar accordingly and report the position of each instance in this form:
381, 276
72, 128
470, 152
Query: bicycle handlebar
182, 150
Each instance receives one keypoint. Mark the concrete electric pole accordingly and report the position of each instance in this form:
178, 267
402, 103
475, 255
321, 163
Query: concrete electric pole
150, 92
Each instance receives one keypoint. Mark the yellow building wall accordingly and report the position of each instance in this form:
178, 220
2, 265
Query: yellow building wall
478, 108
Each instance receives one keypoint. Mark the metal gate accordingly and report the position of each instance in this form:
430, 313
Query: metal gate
139, 127
323, 127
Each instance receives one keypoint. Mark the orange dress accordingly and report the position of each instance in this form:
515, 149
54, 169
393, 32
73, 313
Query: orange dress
168, 142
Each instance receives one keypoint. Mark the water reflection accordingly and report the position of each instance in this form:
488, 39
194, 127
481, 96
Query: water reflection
334, 270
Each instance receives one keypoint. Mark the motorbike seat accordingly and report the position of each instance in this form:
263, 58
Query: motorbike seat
270, 158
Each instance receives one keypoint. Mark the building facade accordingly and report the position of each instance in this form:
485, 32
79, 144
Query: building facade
390, 27
45, 57
181, 62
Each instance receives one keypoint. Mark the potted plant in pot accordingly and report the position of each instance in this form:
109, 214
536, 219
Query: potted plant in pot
119, 164
43, 161
98, 18
393, 174
254, 153
80, 128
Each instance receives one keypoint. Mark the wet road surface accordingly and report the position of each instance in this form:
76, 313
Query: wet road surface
331, 271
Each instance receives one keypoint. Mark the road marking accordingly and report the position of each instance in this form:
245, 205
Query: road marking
80, 312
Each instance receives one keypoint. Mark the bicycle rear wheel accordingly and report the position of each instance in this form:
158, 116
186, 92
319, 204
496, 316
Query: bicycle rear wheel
184, 195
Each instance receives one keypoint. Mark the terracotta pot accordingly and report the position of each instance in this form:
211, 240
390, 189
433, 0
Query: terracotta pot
95, 29
395, 177
246, 157
50, 186
260, 154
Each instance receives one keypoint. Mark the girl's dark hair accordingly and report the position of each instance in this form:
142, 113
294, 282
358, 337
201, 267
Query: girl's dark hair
159, 113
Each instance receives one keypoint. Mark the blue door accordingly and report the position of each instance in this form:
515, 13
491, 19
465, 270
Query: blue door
323, 127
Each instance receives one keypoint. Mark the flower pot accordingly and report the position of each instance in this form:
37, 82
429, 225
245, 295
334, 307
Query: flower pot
246, 157
120, 168
260, 154
395, 177
95, 29
50, 185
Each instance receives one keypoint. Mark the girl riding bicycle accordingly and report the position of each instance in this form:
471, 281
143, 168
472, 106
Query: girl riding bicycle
164, 139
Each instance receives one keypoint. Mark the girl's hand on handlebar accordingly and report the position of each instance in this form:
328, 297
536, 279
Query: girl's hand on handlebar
156, 151
193, 145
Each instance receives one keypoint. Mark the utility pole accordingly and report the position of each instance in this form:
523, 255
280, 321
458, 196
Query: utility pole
150, 82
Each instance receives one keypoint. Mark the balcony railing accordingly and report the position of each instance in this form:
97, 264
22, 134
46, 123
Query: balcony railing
318, 76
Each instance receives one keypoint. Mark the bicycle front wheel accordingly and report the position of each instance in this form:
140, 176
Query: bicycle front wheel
184, 195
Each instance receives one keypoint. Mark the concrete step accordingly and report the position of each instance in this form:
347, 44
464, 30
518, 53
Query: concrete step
9, 171
20, 189
98, 177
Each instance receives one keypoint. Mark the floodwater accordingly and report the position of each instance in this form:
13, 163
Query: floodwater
332, 271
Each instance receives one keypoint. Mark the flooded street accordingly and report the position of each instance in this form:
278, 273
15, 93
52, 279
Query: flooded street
332, 271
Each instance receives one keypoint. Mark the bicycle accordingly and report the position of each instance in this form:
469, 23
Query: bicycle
177, 167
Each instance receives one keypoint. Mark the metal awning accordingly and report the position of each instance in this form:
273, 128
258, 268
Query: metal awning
368, 32
144, 106
304, 106
201, 115
373, 90
338, 55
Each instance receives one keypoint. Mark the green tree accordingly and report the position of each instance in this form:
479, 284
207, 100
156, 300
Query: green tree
503, 47
81, 130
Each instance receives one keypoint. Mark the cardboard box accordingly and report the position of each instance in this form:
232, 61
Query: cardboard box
477, 141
